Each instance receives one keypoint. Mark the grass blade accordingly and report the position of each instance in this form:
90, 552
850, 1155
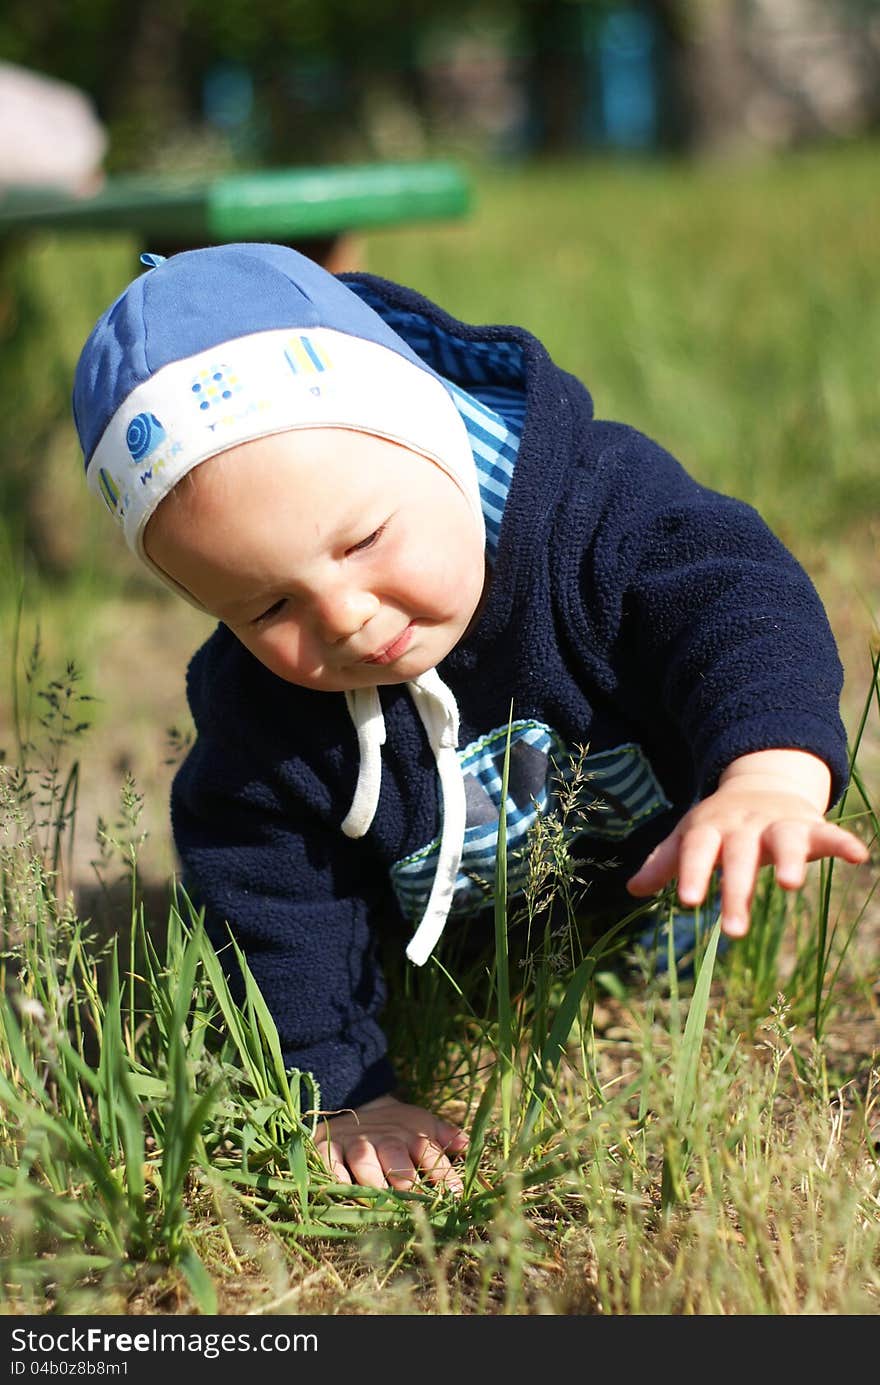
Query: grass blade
200, 1283
566, 1015
506, 1041
692, 1040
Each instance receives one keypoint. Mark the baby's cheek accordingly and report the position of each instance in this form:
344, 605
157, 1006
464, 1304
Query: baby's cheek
281, 649
436, 587
441, 567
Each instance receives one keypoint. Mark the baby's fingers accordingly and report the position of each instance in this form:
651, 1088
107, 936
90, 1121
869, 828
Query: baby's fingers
434, 1165
332, 1158
741, 859
451, 1138
791, 845
831, 840
787, 847
363, 1161
697, 859
396, 1163
657, 870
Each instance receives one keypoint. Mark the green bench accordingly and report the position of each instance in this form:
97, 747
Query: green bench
313, 209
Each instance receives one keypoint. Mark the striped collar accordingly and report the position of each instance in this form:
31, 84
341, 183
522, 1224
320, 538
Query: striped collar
494, 438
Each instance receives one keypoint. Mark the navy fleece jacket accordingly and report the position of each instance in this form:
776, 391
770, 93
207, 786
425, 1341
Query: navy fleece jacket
630, 610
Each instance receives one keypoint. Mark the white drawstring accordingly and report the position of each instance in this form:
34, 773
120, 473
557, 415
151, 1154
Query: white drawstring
365, 710
438, 710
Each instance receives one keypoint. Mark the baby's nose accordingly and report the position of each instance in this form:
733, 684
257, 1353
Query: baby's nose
343, 612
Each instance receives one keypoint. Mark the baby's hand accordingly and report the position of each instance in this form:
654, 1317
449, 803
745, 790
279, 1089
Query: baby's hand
767, 810
385, 1143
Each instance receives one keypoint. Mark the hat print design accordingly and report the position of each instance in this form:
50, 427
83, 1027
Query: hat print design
143, 435
215, 386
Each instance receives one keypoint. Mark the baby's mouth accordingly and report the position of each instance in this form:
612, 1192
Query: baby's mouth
392, 651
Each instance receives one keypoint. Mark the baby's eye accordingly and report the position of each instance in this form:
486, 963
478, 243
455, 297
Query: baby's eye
367, 542
268, 613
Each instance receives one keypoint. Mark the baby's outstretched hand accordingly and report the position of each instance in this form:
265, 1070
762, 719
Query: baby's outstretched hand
386, 1143
767, 810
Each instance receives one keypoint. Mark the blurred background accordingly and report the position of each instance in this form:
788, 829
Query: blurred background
680, 197
293, 81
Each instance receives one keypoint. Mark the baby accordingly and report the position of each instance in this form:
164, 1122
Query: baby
403, 523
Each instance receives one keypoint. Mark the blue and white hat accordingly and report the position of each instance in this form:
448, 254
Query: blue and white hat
216, 347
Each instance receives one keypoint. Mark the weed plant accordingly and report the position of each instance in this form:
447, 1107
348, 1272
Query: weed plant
698, 1155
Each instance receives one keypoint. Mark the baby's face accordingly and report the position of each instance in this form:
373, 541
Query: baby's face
339, 559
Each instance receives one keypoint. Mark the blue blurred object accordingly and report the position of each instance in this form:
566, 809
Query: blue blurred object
624, 96
228, 95
627, 79
686, 933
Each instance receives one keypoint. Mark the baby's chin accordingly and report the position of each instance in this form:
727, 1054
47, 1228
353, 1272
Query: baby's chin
370, 676
409, 666
388, 675
403, 670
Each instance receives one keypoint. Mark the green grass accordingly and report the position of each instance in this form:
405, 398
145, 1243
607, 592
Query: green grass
637, 1147
149, 1129
732, 313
